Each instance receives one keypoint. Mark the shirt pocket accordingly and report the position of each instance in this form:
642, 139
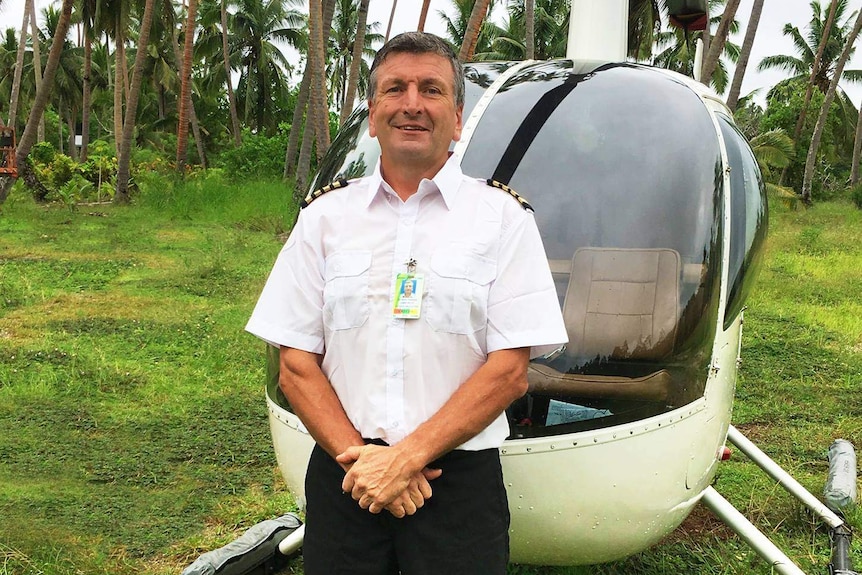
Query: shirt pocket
345, 291
457, 298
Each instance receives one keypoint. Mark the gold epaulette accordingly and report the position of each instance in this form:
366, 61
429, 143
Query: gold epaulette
524, 203
339, 183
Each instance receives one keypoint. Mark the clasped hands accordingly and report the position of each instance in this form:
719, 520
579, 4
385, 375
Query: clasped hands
380, 477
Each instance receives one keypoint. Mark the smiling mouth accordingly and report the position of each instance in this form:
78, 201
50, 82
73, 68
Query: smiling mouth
412, 128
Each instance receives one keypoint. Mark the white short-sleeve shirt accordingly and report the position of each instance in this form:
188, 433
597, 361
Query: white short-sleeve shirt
487, 287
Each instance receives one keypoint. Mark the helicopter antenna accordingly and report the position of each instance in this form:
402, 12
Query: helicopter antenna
598, 30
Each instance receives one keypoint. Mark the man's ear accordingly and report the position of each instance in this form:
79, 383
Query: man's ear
372, 130
459, 113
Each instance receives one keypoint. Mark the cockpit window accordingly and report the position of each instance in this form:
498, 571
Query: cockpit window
748, 220
623, 167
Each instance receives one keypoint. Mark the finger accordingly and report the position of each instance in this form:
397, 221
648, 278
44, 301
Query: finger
350, 455
432, 474
396, 510
409, 506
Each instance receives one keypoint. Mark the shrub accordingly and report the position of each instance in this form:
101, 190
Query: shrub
259, 157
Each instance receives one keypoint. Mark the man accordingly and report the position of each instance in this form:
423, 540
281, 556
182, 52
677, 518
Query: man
408, 409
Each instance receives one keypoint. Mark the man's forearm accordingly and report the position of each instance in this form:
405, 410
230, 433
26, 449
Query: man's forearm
314, 401
474, 406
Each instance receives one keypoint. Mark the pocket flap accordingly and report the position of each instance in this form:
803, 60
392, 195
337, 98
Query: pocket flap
347, 264
452, 264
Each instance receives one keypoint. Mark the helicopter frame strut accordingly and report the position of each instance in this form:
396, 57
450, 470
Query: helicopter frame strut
762, 545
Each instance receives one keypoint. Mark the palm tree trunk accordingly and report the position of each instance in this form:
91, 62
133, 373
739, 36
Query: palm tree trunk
391, 18
530, 23
70, 121
824, 111
815, 69
311, 121
474, 26
28, 138
296, 124
317, 98
124, 160
318, 102
716, 45
745, 53
118, 86
423, 15
234, 117
85, 100
356, 59
37, 63
857, 149
19, 66
185, 88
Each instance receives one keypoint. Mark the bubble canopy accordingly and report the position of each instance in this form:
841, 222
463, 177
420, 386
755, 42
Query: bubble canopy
622, 164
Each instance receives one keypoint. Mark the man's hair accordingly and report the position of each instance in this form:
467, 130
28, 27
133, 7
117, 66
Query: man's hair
419, 43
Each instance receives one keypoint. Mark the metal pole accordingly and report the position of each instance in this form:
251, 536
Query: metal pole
745, 529
293, 541
782, 477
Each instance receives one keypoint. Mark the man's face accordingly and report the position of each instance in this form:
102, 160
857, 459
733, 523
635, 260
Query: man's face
408, 289
413, 114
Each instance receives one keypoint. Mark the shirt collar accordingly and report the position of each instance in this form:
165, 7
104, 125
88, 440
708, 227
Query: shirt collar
447, 181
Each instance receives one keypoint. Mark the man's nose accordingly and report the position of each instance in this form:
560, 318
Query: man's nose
412, 100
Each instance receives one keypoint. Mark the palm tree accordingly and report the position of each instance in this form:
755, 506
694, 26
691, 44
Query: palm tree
456, 26
124, 158
644, 25
420, 27
802, 65
314, 113
676, 50
37, 62
258, 26
530, 28
391, 18
742, 63
19, 65
474, 26
88, 21
551, 29
185, 86
68, 87
28, 138
234, 117
360, 47
716, 47
824, 110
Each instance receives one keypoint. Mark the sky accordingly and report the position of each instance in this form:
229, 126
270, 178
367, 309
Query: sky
769, 39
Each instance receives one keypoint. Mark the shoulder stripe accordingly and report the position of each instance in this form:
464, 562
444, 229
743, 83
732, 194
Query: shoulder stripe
524, 203
339, 183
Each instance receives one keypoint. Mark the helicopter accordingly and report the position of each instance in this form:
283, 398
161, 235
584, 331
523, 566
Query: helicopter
653, 214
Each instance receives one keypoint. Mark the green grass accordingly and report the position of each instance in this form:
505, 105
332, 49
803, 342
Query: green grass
133, 430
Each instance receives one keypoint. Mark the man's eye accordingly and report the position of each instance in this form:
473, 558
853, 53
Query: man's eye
433, 90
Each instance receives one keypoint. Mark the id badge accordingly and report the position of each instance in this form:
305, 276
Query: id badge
408, 290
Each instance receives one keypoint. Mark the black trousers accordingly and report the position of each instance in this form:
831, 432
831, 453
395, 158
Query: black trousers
462, 529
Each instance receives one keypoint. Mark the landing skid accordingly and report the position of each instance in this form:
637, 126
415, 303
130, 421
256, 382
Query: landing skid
840, 532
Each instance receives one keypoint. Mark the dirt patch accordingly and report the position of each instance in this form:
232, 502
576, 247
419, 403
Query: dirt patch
700, 524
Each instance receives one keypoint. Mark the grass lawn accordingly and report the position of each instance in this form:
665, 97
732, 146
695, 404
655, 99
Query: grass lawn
133, 429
